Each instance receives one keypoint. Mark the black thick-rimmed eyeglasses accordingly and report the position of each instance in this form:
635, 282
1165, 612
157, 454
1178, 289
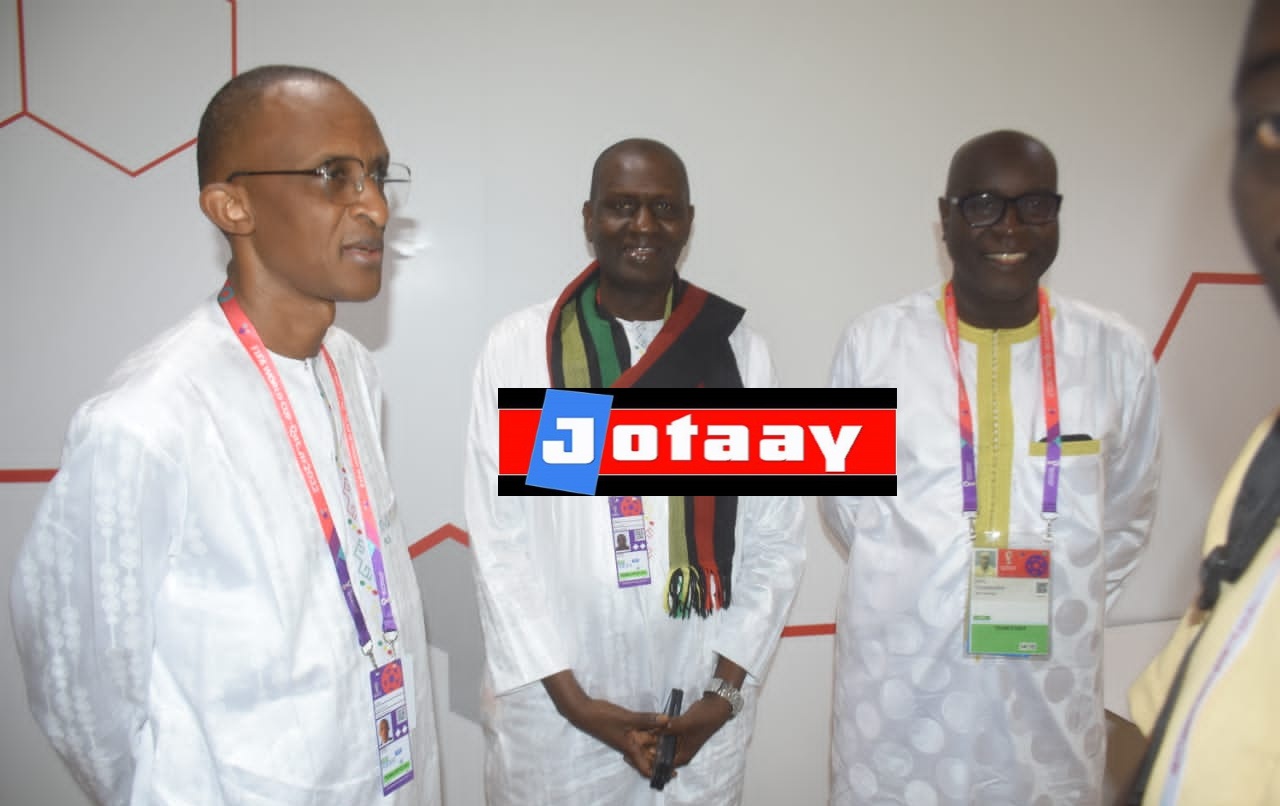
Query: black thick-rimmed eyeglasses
984, 209
344, 178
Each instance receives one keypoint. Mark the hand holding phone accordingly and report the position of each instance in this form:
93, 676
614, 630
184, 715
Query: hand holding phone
662, 765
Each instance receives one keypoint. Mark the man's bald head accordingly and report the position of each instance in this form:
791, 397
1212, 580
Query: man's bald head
224, 118
975, 160
998, 261
637, 145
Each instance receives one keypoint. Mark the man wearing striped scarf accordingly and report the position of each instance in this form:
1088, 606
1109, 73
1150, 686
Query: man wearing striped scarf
579, 661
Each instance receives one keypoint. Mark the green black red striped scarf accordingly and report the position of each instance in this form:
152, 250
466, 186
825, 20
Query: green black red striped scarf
588, 349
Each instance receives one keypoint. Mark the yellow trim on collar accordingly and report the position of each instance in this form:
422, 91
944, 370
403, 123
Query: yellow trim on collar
1014, 335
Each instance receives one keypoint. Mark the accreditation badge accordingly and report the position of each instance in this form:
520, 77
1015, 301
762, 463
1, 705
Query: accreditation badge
391, 722
629, 539
1009, 602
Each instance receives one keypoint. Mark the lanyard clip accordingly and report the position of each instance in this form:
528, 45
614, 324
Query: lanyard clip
367, 649
1049, 518
973, 526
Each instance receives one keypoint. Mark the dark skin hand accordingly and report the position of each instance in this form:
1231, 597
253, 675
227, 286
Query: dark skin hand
695, 726
635, 733
632, 733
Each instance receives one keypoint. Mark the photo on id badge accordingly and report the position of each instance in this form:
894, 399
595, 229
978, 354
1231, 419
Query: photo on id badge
1009, 601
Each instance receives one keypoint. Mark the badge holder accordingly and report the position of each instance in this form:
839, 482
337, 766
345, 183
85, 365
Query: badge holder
391, 725
1009, 599
629, 540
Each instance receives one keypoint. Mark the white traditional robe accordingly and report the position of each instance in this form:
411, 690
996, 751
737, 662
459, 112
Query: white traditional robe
181, 627
549, 601
916, 720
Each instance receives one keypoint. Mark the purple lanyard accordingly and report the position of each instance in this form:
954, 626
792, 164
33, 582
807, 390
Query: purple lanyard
1053, 435
252, 342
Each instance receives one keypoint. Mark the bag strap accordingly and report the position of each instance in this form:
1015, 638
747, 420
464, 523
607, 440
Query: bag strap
1253, 518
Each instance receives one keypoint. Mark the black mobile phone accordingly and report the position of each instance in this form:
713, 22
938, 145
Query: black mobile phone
662, 769
1070, 438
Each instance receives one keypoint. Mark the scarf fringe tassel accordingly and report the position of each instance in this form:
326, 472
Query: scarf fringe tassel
695, 590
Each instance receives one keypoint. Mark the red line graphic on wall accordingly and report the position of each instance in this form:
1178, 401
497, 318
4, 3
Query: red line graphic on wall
446, 532
27, 476
29, 114
1197, 279
450, 531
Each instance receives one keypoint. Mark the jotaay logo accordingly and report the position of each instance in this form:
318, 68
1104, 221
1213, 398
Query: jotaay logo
697, 441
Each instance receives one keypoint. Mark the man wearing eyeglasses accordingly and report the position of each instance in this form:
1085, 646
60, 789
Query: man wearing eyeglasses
1028, 428
215, 603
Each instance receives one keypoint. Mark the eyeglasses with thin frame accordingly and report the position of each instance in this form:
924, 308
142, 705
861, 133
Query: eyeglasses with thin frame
984, 209
344, 178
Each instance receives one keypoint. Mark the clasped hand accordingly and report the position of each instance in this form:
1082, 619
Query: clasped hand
635, 734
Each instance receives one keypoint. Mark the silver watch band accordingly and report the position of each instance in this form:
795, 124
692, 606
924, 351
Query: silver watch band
722, 688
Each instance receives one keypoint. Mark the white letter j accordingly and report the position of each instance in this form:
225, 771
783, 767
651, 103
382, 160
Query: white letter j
582, 431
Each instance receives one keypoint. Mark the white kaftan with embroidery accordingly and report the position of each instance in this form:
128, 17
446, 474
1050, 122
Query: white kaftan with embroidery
916, 720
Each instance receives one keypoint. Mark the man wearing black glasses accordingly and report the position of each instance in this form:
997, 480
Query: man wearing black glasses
1028, 431
215, 603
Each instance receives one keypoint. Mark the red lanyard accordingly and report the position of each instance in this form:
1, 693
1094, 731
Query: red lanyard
1053, 436
252, 343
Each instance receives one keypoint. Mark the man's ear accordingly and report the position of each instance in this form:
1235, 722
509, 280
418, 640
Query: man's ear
944, 210
227, 206
587, 220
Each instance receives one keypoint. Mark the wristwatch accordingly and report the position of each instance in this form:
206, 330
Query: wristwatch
722, 688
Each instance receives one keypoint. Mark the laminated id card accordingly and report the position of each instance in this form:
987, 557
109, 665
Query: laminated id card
630, 543
391, 725
1009, 602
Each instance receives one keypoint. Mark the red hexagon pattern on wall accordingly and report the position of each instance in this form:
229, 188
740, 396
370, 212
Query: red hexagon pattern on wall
28, 112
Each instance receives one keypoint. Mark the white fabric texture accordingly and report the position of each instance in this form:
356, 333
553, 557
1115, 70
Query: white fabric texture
549, 601
181, 628
916, 720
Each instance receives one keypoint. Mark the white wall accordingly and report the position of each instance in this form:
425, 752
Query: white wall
817, 136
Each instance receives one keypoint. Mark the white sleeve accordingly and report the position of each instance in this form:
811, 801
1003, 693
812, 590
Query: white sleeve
83, 599
770, 559
839, 511
1132, 476
522, 641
